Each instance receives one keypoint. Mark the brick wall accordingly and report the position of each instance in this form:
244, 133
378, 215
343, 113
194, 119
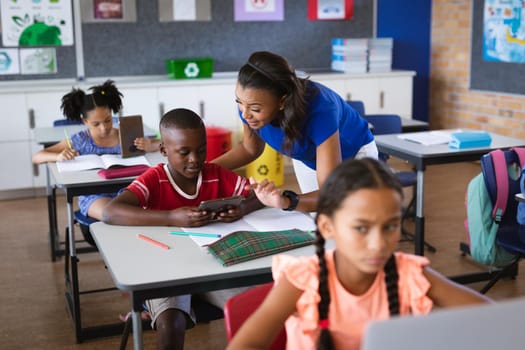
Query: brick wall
452, 104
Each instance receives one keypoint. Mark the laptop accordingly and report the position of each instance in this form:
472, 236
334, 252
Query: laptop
487, 327
130, 127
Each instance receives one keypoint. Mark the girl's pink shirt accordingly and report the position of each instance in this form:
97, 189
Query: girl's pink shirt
348, 314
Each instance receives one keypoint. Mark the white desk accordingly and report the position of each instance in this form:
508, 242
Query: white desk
183, 269
421, 156
75, 184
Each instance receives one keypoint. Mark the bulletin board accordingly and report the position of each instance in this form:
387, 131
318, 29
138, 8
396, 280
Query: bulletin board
140, 48
489, 75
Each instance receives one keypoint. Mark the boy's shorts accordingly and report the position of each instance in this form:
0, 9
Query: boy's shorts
179, 302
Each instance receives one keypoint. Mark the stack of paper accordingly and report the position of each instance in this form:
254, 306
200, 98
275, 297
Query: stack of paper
349, 55
104, 161
380, 54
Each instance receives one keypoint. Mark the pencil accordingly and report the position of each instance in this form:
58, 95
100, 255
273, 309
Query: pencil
196, 234
68, 140
152, 241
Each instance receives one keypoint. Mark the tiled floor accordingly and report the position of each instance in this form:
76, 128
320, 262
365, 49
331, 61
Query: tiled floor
34, 313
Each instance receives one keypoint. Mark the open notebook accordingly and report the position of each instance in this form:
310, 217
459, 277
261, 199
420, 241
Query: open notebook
93, 161
266, 219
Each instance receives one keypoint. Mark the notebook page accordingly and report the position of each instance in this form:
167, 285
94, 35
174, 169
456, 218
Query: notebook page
273, 219
83, 162
429, 138
116, 159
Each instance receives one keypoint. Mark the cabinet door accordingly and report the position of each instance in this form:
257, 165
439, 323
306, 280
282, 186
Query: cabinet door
142, 101
395, 95
45, 107
18, 170
366, 90
14, 116
184, 96
336, 84
219, 107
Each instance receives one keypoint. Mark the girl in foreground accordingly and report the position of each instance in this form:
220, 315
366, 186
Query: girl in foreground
326, 301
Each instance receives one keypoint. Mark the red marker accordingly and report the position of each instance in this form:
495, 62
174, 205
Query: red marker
152, 241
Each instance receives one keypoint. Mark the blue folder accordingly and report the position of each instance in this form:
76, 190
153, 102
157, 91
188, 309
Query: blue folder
469, 139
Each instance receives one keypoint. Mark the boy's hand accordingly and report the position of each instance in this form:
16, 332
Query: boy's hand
230, 215
190, 217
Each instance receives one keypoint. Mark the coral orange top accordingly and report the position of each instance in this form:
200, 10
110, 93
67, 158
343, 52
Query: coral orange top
348, 313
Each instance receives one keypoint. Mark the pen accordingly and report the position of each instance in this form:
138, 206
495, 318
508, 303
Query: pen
67, 139
211, 235
152, 241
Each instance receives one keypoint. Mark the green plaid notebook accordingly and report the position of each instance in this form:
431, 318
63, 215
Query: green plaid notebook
240, 246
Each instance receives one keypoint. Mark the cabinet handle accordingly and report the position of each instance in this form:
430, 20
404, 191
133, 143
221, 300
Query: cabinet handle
382, 99
348, 96
31, 118
201, 109
36, 170
161, 110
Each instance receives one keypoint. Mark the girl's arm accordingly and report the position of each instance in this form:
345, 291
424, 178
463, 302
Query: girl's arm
261, 328
125, 210
58, 152
446, 293
247, 151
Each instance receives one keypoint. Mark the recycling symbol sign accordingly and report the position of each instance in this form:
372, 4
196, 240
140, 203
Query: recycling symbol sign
191, 70
263, 170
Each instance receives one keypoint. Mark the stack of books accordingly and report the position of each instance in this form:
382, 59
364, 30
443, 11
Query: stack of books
349, 55
380, 54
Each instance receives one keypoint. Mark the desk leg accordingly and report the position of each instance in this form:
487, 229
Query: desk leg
54, 240
419, 239
137, 324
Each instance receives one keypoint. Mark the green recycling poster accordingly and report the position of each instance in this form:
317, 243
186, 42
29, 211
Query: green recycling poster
36, 22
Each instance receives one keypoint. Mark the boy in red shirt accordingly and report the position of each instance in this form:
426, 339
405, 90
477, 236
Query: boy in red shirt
170, 193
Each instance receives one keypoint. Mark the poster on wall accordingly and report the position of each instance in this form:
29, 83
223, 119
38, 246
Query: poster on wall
38, 61
330, 9
114, 11
9, 61
36, 23
108, 9
184, 10
258, 10
504, 31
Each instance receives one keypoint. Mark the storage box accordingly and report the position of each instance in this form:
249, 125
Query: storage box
189, 68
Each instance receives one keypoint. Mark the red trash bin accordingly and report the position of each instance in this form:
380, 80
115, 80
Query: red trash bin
219, 141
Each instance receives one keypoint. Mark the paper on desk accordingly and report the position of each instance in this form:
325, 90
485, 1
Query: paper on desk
429, 138
266, 219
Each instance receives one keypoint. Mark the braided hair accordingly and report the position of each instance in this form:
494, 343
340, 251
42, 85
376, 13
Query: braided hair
271, 72
76, 104
351, 176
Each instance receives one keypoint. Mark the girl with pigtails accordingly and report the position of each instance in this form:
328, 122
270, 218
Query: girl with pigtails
95, 110
325, 301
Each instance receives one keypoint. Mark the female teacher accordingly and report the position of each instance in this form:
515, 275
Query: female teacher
299, 118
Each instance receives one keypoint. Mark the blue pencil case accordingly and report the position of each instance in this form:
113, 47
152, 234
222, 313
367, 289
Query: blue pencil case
469, 139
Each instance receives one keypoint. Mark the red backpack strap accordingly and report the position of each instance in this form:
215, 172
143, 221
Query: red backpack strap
502, 183
521, 155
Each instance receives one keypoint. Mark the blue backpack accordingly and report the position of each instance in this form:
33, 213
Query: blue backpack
491, 205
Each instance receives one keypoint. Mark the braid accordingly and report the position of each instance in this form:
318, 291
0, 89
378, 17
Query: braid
325, 338
107, 95
72, 103
391, 279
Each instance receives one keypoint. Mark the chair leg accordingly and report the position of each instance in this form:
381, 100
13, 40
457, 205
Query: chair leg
125, 334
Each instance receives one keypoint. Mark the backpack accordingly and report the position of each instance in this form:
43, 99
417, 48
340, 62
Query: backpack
491, 205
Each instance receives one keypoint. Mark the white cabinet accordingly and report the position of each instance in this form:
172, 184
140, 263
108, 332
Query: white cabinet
17, 170
184, 96
382, 93
141, 101
44, 107
15, 119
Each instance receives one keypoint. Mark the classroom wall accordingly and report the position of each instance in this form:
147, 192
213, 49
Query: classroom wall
409, 23
452, 103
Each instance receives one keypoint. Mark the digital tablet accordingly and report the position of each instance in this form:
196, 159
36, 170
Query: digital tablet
130, 127
221, 204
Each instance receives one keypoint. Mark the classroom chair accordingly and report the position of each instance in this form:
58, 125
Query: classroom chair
239, 307
391, 124
64, 122
204, 313
359, 106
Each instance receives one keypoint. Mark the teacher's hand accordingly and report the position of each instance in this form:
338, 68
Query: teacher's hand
268, 193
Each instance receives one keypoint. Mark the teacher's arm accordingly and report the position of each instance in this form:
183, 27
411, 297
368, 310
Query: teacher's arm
245, 152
